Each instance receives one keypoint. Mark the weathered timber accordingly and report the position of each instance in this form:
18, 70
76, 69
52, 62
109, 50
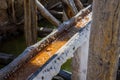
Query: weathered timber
27, 26
13, 11
52, 67
80, 61
44, 12
30, 27
29, 68
72, 6
33, 50
104, 40
75, 19
64, 18
34, 24
69, 8
16, 63
78, 4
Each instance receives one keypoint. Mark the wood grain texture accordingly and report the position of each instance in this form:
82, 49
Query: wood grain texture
34, 23
45, 13
104, 40
30, 25
80, 60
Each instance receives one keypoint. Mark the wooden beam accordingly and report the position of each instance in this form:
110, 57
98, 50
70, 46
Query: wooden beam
34, 23
80, 60
69, 8
72, 6
78, 4
30, 26
30, 52
52, 67
44, 12
27, 24
104, 40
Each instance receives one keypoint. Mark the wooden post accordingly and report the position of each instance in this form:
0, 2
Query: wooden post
30, 27
34, 24
80, 59
104, 40
79, 63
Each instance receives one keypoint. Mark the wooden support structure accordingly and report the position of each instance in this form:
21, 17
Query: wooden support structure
69, 8
71, 4
30, 27
44, 12
55, 61
80, 60
104, 40
94, 60
52, 67
78, 4
34, 24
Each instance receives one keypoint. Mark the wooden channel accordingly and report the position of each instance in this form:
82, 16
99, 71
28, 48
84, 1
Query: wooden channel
32, 65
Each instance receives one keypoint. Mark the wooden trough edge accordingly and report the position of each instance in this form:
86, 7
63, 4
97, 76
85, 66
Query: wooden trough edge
53, 65
34, 49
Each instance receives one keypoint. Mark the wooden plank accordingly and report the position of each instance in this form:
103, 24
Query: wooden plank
104, 40
69, 8
44, 12
34, 23
30, 27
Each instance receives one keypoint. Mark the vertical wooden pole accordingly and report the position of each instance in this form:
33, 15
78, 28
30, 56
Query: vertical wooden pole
30, 27
34, 21
79, 63
104, 40
80, 60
